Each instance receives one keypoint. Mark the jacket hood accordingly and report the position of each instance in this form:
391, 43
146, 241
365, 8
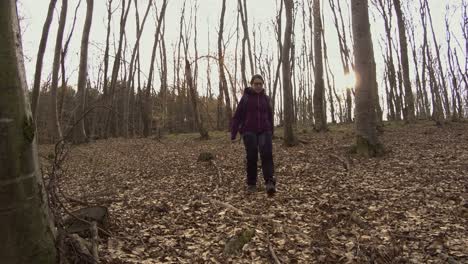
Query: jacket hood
251, 91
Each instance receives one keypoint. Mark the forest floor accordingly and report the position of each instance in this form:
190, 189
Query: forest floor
409, 206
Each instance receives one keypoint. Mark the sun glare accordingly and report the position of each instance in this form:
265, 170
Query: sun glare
349, 80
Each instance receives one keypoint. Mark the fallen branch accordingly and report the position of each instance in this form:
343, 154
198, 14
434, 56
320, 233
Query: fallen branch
95, 242
218, 172
272, 251
227, 206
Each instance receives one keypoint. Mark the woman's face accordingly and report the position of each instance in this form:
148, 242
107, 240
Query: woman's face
257, 85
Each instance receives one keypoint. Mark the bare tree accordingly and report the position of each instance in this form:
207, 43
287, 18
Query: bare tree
194, 97
289, 136
40, 57
278, 27
366, 128
25, 225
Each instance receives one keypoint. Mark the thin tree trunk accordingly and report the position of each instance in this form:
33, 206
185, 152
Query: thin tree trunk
409, 100
112, 118
53, 120
126, 97
79, 129
25, 224
280, 53
148, 112
193, 92
222, 77
446, 101
106, 52
62, 63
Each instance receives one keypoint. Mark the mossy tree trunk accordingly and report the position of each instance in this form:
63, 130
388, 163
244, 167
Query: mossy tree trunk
25, 225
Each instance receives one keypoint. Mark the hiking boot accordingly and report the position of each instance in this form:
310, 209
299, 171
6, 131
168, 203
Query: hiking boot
251, 189
270, 188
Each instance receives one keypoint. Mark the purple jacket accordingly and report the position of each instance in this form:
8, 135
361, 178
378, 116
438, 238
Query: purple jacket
253, 114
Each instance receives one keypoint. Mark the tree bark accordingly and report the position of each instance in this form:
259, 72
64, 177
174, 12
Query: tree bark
366, 128
25, 224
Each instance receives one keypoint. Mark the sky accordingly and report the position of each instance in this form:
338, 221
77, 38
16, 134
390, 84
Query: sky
261, 13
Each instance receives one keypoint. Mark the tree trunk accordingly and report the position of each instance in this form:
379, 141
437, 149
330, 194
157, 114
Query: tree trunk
79, 129
409, 100
62, 64
106, 52
40, 57
25, 223
366, 129
53, 120
319, 86
289, 137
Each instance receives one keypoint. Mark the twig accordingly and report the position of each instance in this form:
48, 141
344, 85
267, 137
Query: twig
272, 251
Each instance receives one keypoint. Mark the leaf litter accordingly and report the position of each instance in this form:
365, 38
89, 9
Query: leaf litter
409, 206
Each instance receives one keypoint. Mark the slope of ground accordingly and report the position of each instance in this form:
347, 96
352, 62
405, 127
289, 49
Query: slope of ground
331, 207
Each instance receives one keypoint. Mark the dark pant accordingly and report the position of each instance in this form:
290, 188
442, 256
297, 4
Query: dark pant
255, 143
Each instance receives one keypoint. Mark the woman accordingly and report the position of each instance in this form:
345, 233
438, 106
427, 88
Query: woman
254, 120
